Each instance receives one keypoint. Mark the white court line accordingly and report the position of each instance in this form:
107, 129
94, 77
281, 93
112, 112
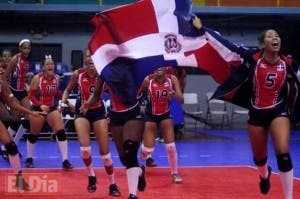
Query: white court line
184, 167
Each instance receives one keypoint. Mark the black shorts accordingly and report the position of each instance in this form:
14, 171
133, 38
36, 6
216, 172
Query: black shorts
120, 118
93, 115
264, 117
19, 94
157, 118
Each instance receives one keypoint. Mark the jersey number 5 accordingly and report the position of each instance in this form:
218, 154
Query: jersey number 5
270, 80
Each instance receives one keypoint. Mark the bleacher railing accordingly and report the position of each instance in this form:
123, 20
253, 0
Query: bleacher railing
244, 3
262, 3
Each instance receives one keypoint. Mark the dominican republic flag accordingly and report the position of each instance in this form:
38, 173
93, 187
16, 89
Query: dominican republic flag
133, 40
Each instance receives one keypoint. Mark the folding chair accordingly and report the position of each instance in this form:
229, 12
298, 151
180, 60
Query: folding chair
217, 109
191, 106
68, 120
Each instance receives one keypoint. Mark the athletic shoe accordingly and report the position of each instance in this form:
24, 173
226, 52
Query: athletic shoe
132, 196
29, 163
4, 154
176, 178
265, 184
114, 190
150, 162
92, 184
21, 184
66, 165
142, 180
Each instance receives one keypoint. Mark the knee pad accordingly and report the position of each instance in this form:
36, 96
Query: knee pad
106, 159
284, 162
85, 152
7, 123
32, 138
11, 148
26, 124
146, 151
130, 153
170, 147
260, 162
14, 125
122, 160
61, 135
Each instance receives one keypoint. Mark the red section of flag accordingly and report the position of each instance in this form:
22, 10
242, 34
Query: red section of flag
123, 23
209, 59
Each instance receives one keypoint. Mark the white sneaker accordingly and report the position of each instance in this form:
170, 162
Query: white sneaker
176, 178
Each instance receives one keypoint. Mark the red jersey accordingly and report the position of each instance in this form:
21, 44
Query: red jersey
48, 91
87, 87
158, 94
268, 81
18, 76
116, 104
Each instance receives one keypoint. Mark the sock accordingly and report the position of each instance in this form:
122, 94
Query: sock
15, 163
148, 156
263, 170
111, 178
146, 152
19, 134
86, 156
172, 156
11, 132
30, 149
133, 174
286, 179
109, 168
63, 148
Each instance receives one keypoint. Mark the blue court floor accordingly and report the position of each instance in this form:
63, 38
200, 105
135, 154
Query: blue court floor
197, 148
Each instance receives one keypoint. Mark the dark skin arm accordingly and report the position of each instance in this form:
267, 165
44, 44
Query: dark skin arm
177, 94
71, 85
13, 103
143, 87
10, 68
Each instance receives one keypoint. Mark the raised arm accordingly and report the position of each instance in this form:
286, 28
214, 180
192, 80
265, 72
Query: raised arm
230, 51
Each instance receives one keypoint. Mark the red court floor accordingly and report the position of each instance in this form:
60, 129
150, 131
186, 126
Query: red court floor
199, 182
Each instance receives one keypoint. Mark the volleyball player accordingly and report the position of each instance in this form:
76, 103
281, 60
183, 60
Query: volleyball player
160, 88
85, 78
44, 94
